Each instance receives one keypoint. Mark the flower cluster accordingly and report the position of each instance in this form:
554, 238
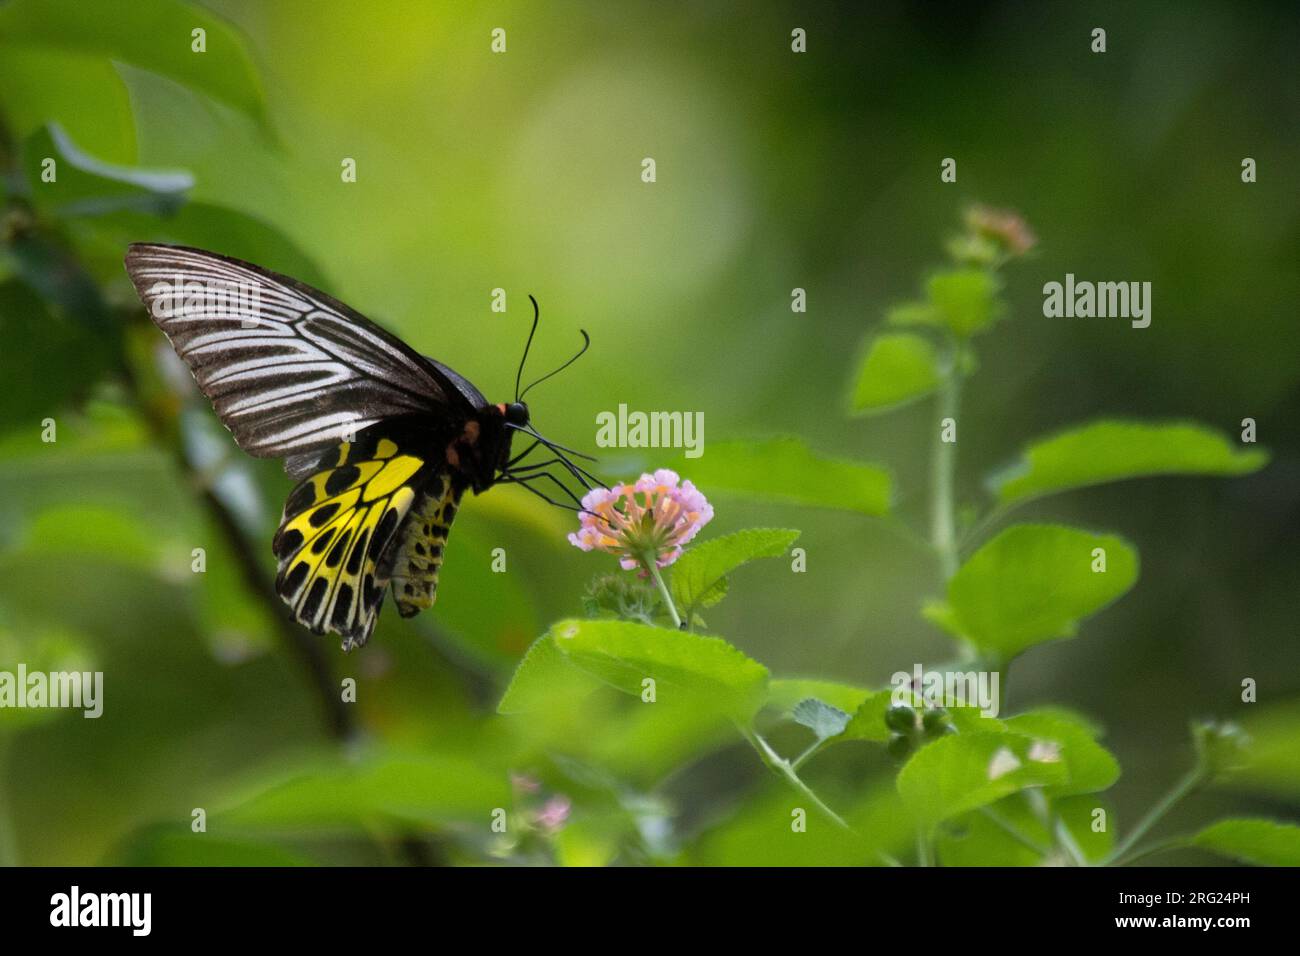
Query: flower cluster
647, 521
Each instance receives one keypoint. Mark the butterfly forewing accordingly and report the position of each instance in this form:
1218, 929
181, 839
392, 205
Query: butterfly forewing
287, 368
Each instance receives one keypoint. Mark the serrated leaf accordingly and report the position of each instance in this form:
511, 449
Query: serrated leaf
1034, 583
544, 678
707, 670
787, 470
1261, 842
898, 368
699, 575
820, 717
962, 772
1116, 451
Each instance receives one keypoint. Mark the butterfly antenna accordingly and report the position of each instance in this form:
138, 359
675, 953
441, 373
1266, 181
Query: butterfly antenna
586, 344
537, 314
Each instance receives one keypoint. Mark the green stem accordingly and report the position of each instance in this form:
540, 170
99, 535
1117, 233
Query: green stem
782, 766
943, 513
924, 856
649, 563
1141, 853
1193, 779
808, 754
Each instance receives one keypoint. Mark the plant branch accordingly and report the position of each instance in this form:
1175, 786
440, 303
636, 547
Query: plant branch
943, 508
1189, 783
783, 767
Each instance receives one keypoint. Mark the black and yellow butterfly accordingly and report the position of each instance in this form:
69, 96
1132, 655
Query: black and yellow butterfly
383, 440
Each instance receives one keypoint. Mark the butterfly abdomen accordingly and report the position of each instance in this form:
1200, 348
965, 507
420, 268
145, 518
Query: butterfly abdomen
417, 557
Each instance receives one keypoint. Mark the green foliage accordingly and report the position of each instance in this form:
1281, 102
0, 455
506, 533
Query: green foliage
127, 31
785, 469
787, 693
1090, 767
700, 575
338, 794
1034, 583
706, 670
1261, 842
965, 771
820, 717
898, 368
86, 186
965, 300
1114, 451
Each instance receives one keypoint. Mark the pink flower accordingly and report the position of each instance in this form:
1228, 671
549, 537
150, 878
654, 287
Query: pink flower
554, 814
651, 519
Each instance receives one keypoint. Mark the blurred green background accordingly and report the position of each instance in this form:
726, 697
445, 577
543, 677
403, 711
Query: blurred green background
522, 171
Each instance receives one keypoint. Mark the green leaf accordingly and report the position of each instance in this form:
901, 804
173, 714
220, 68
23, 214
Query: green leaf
1274, 766
965, 299
84, 93
58, 363
962, 772
1091, 767
1261, 842
544, 678
868, 721
898, 368
1116, 450
820, 717
699, 576
336, 794
154, 35
786, 693
708, 670
787, 470
1034, 583
86, 186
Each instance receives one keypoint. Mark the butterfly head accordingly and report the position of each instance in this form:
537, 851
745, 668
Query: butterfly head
516, 414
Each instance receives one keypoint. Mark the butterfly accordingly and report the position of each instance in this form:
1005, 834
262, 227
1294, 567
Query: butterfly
382, 441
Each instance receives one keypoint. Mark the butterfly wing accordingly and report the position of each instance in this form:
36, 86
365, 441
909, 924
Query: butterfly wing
289, 370
341, 529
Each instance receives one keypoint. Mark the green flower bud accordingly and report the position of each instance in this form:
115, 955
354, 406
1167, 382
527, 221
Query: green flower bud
901, 719
934, 720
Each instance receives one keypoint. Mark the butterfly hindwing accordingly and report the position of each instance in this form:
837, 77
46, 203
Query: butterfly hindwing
341, 527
